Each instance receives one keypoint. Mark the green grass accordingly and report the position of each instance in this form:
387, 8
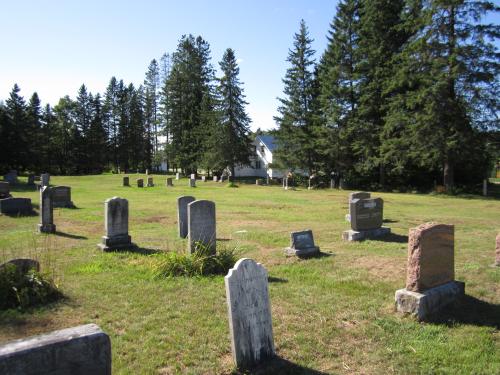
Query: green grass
331, 314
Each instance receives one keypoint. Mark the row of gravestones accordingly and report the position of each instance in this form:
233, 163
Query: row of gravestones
169, 181
11, 178
430, 285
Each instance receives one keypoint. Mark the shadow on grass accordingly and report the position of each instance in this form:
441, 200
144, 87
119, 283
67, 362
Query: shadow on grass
392, 237
73, 236
280, 366
21, 188
135, 250
273, 279
390, 221
21, 214
18, 317
469, 310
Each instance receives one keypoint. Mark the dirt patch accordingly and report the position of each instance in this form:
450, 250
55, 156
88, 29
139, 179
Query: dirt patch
384, 268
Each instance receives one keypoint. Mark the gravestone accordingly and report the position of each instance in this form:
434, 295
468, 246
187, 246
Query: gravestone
116, 225
193, 176
366, 217
46, 224
45, 179
302, 244
215, 178
4, 190
126, 181
150, 182
147, 172
140, 183
81, 350
61, 197
249, 312
201, 226
11, 177
16, 206
258, 182
182, 214
497, 251
23, 265
430, 274
177, 176
192, 182
31, 179
356, 195
170, 182
203, 178
221, 179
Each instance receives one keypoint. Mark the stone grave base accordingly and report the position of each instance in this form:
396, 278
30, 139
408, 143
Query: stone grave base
421, 305
123, 242
46, 228
353, 235
307, 252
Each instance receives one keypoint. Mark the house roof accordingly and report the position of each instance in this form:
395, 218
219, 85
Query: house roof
269, 141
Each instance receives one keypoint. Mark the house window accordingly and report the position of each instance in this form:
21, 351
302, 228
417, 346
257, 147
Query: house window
262, 149
257, 164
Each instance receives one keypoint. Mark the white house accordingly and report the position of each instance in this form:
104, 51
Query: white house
263, 148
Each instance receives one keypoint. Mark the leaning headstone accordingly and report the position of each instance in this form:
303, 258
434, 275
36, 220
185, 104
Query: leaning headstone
4, 190
45, 179
31, 179
61, 196
170, 182
201, 226
497, 251
116, 225
16, 206
140, 182
249, 311
46, 224
302, 244
192, 182
182, 214
215, 178
78, 350
150, 182
366, 220
126, 181
177, 176
23, 265
356, 195
11, 177
430, 274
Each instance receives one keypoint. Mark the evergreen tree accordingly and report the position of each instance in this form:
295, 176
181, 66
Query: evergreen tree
151, 84
34, 133
297, 116
83, 119
66, 137
96, 137
110, 120
16, 132
4, 146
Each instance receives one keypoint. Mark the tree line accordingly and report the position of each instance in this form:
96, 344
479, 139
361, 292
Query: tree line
182, 115
405, 94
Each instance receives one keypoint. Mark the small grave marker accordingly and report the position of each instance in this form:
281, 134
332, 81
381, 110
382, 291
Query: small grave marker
201, 226
182, 214
116, 225
302, 244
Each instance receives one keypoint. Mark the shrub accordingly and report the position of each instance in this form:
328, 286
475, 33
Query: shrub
22, 290
200, 263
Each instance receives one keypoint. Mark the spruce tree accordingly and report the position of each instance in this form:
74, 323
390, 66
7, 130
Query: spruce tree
34, 133
16, 131
151, 84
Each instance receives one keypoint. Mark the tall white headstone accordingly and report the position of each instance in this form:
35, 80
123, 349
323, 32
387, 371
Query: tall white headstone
116, 225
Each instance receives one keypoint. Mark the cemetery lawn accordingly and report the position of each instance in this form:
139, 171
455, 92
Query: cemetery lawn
332, 314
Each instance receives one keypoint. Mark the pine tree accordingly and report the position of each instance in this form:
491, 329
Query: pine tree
34, 130
110, 121
151, 84
66, 137
297, 117
16, 131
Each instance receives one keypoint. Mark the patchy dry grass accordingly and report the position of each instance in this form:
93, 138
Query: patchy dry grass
331, 314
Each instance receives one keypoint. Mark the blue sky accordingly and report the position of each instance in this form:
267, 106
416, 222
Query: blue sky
52, 47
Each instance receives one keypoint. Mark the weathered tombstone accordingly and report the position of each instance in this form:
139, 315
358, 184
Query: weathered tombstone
201, 226
366, 219
23, 265
203, 178
11, 177
430, 274
150, 182
80, 350
356, 195
258, 182
192, 182
302, 244
182, 214
497, 251
61, 197
31, 179
45, 179
249, 312
215, 178
126, 181
46, 224
16, 206
116, 225
177, 176
170, 182
140, 182
221, 179
147, 172
193, 176
4, 190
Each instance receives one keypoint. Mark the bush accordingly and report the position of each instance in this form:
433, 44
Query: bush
200, 263
22, 290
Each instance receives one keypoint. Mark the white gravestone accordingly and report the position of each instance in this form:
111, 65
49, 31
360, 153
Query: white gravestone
249, 311
201, 226
46, 211
177, 176
215, 178
182, 216
116, 225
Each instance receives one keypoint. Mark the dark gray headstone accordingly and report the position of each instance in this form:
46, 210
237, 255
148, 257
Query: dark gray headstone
182, 214
170, 182
302, 244
31, 179
11, 177
150, 182
16, 206
23, 265
366, 214
116, 225
81, 350
61, 196
45, 179
192, 182
201, 226
359, 195
46, 224
4, 190
140, 182
126, 181
249, 311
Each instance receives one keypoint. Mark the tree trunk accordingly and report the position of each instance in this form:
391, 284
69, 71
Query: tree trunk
448, 175
382, 176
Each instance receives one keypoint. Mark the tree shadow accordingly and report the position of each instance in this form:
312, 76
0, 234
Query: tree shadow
392, 237
273, 279
468, 310
279, 366
73, 236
